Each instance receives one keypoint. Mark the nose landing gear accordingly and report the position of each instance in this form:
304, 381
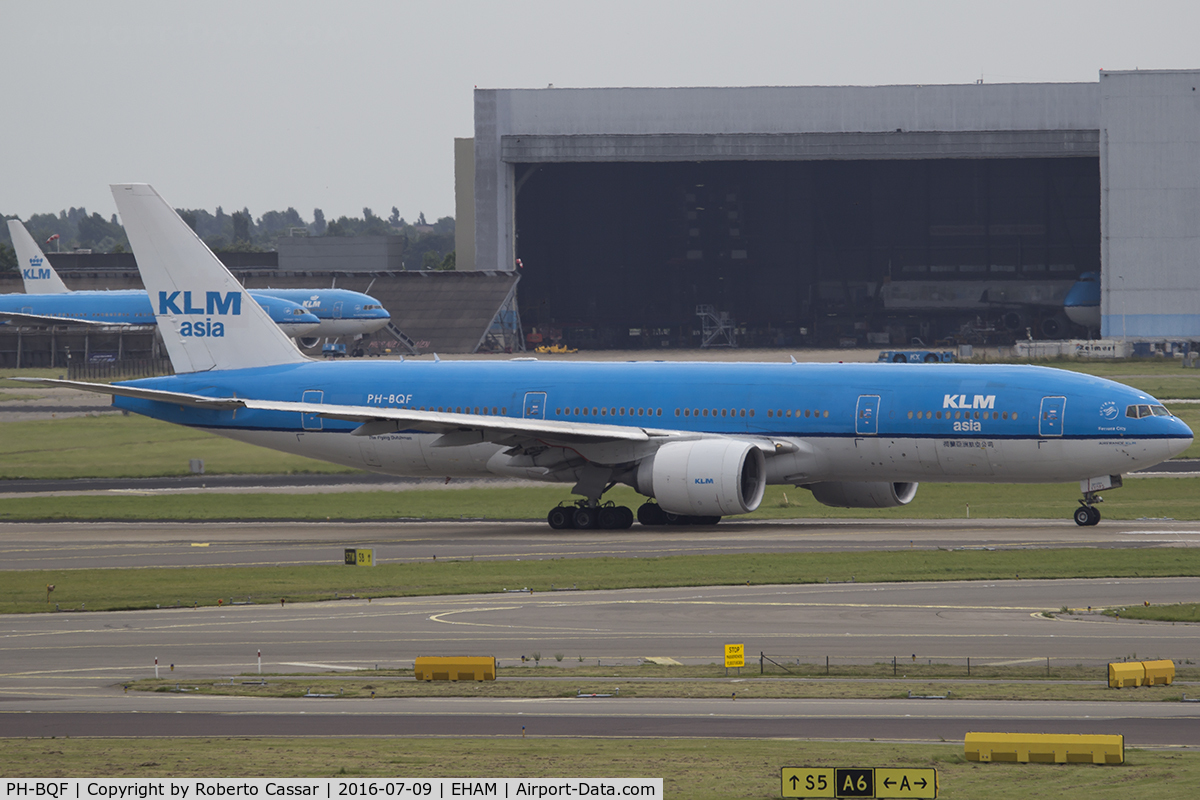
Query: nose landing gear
1087, 514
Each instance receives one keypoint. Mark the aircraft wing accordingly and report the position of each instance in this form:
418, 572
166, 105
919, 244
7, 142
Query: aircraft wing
179, 398
46, 319
456, 429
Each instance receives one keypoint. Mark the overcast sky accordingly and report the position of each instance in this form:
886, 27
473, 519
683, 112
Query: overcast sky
340, 105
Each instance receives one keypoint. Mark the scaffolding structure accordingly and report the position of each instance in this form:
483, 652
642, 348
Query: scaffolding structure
717, 329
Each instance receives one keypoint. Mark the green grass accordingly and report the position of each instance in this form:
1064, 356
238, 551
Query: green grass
1174, 498
747, 687
118, 446
1179, 612
1163, 378
704, 769
24, 591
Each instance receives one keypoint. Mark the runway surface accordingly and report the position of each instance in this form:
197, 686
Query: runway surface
62, 674
70, 545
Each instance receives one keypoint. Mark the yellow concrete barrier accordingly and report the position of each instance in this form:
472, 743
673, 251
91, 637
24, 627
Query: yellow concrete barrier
1122, 674
1048, 748
462, 668
1159, 673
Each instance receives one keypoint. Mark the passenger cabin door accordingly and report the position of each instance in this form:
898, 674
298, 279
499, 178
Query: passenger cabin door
1050, 423
312, 422
535, 405
337, 310
866, 417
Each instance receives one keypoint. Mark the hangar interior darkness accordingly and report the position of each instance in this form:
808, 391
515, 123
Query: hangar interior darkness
619, 255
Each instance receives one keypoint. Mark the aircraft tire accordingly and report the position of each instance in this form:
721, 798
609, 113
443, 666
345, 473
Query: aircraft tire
560, 518
651, 514
1083, 516
1094, 515
626, 518
610, 518
677, 519
586, 518
705, 520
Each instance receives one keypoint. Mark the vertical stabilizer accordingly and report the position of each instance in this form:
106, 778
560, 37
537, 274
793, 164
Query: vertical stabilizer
39, 276
206, 318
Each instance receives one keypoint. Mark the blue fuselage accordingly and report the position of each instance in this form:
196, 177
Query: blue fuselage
133, 307
893, 421
341, 311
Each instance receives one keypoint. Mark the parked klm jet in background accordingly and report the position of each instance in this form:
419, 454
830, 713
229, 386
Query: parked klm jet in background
1082, 302
307, 314
36, 272
341, 312
703, 439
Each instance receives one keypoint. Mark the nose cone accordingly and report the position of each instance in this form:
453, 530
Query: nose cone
1180, 437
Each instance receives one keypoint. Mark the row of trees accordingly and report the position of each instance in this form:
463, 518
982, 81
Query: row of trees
432, 243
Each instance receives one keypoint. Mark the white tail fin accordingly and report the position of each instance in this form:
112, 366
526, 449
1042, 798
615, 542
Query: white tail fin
39, 276
206, 319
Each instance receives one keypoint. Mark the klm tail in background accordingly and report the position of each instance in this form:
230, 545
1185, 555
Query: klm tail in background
206, 318
39, 276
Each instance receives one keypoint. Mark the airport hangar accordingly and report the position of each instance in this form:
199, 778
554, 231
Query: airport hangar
848, 215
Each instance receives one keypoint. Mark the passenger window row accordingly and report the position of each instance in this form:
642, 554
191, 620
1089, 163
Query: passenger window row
596, 411
481, 410
964, 415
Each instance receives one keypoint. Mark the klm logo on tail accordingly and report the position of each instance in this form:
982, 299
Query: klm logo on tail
37, 271
215, 304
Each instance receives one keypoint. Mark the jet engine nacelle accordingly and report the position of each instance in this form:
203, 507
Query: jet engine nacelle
709, 477
856, 494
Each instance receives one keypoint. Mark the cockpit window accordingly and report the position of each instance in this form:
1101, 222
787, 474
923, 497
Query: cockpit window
1139, 411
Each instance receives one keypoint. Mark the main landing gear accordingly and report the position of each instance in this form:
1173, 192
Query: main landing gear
581, 515
653, 514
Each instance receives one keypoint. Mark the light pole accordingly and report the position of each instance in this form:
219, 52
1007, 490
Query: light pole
1121, 278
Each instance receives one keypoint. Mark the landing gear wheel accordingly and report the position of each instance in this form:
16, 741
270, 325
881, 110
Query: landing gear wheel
560, 518
651, 514
1083, 516
677, 519
585, 517
1095, 515
626, 518
610, 518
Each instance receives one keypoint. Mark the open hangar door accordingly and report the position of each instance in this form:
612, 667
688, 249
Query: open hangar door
818, 253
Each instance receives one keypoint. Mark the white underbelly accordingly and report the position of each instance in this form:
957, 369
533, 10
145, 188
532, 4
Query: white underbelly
1048, 460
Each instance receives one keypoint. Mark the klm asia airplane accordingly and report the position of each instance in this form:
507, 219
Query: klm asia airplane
308, 314
702, 439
